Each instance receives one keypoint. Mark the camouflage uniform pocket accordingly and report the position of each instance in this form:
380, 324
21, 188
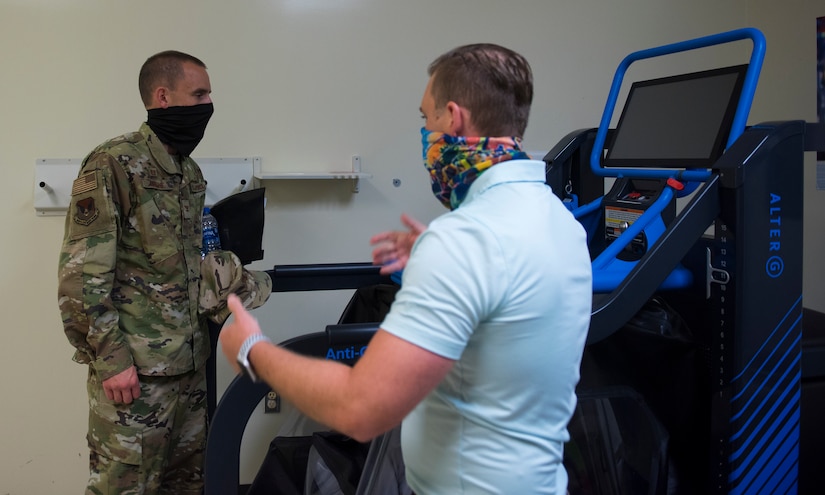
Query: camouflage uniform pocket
111, 434
157, 216
123, 444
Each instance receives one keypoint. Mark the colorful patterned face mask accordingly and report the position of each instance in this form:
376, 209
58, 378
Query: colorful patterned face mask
454, 162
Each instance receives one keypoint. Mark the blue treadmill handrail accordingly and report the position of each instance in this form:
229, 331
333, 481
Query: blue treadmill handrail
611, 310
739, 120
610, 253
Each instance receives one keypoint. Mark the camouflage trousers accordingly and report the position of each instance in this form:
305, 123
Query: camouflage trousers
155, 445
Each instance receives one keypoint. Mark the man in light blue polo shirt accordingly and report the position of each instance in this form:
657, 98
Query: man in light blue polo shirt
479, 355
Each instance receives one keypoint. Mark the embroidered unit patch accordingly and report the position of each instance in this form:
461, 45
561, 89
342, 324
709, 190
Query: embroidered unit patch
85, 211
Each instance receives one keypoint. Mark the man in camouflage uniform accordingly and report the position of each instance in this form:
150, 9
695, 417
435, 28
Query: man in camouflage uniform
129, 289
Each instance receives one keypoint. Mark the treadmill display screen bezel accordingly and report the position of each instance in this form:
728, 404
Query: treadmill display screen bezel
681, 121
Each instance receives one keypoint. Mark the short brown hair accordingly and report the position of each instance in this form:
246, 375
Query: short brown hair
494, 83
163, 69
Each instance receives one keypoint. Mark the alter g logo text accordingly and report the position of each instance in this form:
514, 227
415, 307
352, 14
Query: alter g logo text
775, 265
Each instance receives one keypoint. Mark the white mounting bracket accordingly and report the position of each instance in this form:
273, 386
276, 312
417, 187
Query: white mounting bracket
53, 179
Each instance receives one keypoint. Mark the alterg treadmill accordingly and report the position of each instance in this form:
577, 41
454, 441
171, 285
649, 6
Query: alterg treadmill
739, 289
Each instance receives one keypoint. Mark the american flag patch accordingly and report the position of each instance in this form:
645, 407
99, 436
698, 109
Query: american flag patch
84, 183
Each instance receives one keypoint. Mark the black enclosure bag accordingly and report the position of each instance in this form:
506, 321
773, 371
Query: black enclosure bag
655, 360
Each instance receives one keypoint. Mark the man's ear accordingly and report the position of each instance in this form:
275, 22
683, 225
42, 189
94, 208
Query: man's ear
160, 97
460, 124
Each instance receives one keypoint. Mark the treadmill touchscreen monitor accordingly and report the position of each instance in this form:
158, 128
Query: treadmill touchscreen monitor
677, 122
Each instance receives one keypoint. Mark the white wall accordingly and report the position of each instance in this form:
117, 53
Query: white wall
304, 84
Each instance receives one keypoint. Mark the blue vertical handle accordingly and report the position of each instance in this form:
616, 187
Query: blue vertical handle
742, 108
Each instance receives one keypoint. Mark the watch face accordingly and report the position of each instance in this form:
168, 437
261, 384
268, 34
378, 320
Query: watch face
246, 370
243, 364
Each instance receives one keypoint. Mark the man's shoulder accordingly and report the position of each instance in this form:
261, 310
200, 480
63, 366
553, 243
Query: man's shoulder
460, 227
128, 141
123, 149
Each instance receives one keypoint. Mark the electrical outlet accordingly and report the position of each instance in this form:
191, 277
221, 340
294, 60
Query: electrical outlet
272, 402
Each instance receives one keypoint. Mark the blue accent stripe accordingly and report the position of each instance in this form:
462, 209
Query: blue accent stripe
795, 488
777, 461
786, 441
765, 434
788, 471
768, 379
756, 354
765, 412
766, 416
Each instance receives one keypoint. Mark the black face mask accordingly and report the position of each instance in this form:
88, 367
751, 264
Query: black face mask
181, 128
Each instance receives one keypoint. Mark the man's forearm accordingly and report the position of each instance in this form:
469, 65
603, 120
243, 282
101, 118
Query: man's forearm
362, 401
325, 390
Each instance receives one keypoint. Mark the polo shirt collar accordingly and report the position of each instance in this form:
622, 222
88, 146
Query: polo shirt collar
504, 172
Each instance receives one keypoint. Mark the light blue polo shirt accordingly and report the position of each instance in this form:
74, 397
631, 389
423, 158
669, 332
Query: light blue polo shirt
503, 286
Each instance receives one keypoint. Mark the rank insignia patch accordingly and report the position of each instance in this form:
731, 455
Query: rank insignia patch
86, 212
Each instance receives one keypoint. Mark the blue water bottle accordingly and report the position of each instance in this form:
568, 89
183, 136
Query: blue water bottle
211, 238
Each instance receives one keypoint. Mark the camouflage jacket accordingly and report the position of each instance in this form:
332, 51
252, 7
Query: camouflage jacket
129, 268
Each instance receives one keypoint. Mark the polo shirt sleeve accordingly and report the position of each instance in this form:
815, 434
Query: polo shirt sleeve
450, 284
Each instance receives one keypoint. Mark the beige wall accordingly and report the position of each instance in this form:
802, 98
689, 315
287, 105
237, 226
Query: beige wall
304, 84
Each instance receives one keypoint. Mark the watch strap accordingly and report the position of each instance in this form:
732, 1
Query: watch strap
243, 354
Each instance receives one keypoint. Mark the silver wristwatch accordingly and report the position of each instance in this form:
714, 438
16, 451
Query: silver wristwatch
243, 355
